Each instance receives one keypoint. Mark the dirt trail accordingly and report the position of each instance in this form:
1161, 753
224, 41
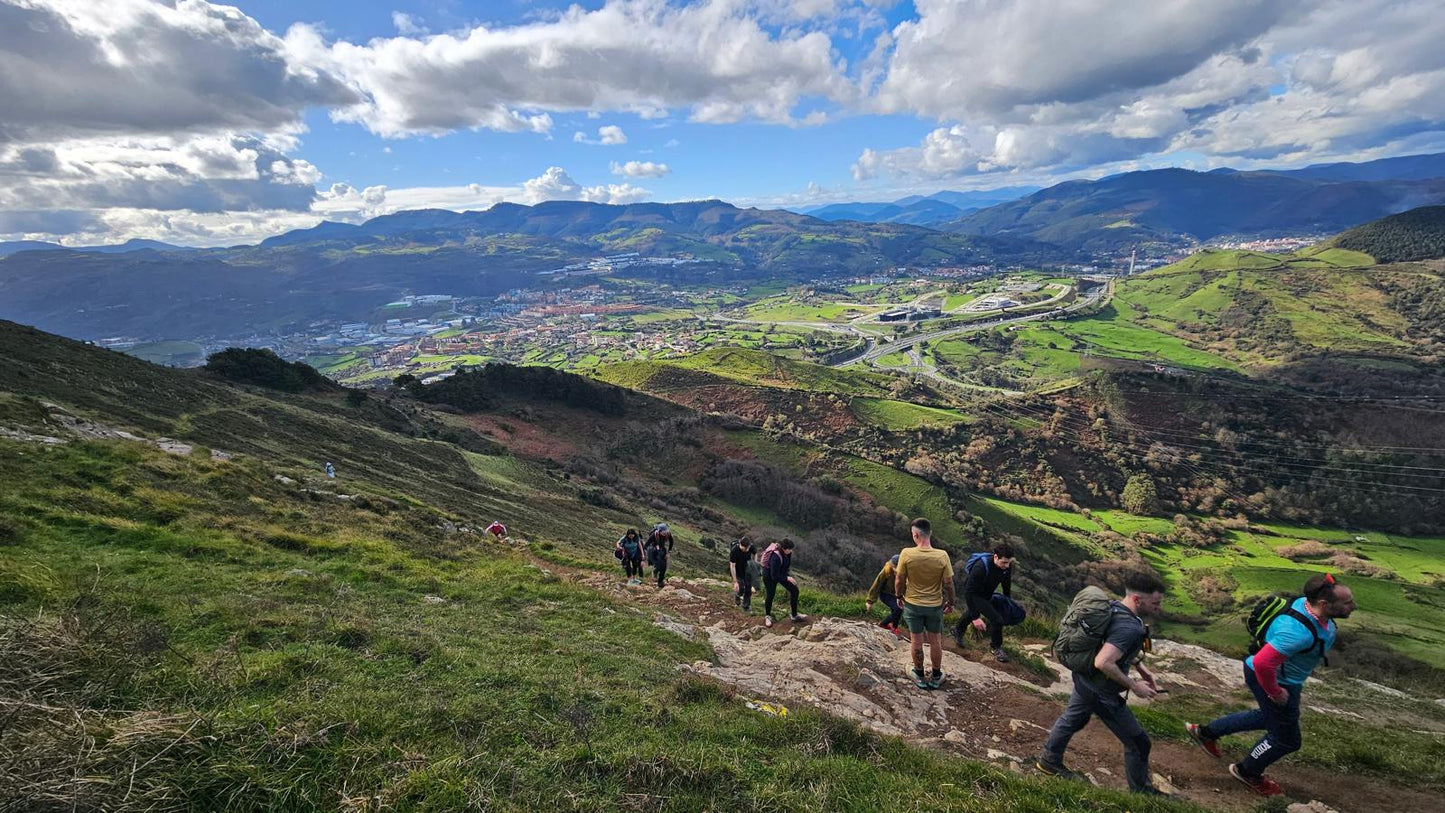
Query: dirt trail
985, 711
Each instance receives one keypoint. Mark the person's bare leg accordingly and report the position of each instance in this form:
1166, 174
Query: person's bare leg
917, 641
935, 641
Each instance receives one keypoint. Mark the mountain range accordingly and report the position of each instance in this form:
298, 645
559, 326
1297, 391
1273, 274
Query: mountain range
344, 271
918, 210
1180, 207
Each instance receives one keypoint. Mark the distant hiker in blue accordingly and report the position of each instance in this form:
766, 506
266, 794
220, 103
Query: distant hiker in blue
1294, 642
882, 590
983, 574
630, 548
659, 544
777, 570
330, 470
1100, 687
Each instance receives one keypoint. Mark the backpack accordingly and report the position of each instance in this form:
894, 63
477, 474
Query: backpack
771, 550
1266, 610
986, 558
618, 553
1083, 630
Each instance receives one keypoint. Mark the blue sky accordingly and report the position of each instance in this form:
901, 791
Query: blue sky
206, 124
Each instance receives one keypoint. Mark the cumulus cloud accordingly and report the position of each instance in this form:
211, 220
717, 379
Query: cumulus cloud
609, 135
136, 67
641, 169
556, 184
1056, 85
713, 58
197, 173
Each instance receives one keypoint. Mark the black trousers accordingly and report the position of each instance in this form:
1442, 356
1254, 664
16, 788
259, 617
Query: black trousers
981, 607
770, 587
632, 566
745, 590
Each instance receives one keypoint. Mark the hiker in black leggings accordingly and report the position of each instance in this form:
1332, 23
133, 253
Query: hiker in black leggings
659, 543
777, 564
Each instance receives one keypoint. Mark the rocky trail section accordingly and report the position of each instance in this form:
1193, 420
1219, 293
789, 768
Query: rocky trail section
991, 712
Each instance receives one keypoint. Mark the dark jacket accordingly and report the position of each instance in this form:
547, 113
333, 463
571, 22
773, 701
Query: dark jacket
777, 564
984, 578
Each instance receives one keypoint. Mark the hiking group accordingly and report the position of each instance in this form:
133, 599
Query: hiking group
1101, 640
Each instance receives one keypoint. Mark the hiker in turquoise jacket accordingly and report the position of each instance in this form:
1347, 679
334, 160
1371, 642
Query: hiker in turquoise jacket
1294, 644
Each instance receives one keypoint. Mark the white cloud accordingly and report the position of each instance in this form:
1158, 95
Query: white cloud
198, 173
408, 25
134, 67
641, 169
556, 184
642, 56
1061, 86
608, 135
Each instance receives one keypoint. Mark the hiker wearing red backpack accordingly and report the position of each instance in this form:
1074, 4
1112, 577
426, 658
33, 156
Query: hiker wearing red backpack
1099, 639
777, 570
984, 574
1290, 641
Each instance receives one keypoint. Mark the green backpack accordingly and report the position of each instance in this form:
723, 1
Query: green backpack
1083, 630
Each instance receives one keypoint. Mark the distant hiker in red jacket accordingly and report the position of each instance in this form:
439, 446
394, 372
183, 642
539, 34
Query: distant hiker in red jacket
497, 529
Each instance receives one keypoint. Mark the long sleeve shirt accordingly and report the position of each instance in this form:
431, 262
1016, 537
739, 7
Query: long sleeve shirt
985, 578
883, 583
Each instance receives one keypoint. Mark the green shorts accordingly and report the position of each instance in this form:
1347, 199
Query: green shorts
923, 619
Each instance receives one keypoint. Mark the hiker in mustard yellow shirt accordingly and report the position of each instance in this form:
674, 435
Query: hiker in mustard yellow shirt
925, 582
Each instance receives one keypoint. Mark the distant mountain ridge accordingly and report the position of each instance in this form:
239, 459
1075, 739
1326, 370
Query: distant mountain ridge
133, 244
1180, 206
940, 207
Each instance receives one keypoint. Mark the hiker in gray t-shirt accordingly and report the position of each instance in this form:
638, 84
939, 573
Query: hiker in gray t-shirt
1101, 693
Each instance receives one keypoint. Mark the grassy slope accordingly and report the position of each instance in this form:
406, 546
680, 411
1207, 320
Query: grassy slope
752, 367
284, 650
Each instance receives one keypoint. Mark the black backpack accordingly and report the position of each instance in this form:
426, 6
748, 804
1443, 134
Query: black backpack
1266, 610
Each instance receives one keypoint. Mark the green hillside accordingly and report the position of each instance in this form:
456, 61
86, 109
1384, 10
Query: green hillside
1418, 234
749, 367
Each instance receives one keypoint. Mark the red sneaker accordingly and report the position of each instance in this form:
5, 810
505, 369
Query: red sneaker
1211, 747
1262, 785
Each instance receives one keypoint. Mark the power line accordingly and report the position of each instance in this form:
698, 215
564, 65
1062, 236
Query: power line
1245, 466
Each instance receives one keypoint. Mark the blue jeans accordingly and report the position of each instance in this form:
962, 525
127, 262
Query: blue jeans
1086, 702
1280, 725
895, 609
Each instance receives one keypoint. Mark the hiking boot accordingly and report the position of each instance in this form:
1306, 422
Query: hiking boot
1150, 790
767, 620
798, 618
919, 678
1056, 770
1262, 785
1000, 656
958, 637
935, 680
1211, 747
